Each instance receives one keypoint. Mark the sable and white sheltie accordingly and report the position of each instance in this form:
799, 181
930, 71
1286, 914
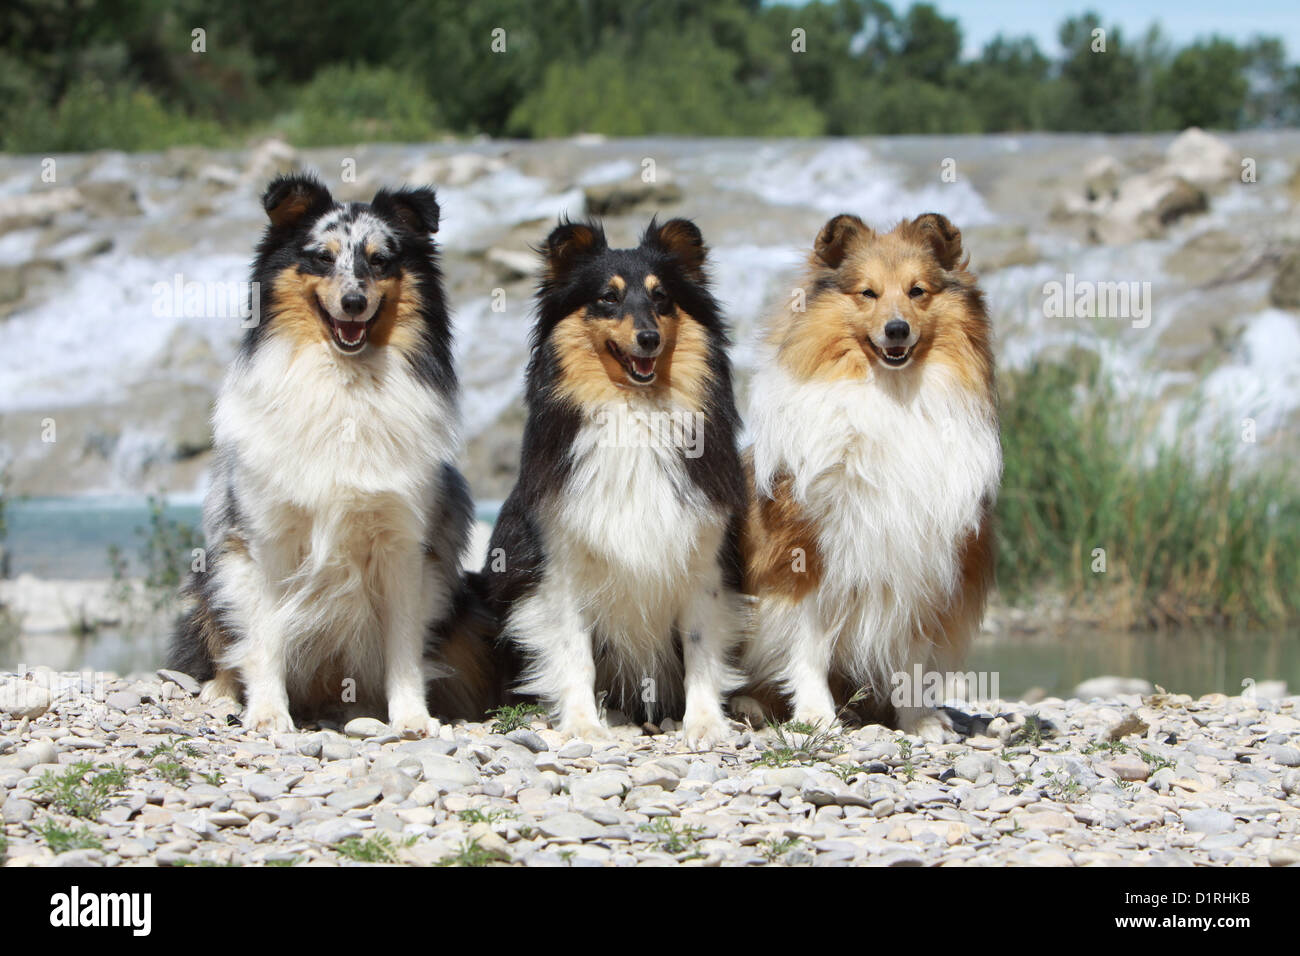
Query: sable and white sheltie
614, 565
875, 466
336, 519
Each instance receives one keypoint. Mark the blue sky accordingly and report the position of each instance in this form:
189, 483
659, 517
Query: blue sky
1181, 21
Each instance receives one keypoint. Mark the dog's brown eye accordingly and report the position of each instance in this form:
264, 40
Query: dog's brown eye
609, 297
325, 257
916, 292
869, 293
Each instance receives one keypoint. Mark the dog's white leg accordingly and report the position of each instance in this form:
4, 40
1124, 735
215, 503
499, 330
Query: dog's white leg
260, 654
708, 630
808, 666
224, 685
562, 667
915, 719
262, 666
417, 597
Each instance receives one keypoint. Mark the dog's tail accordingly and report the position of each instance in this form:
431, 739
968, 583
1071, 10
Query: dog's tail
463, 647
199, 637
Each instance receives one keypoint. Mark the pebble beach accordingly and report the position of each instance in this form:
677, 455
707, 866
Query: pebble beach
97, 770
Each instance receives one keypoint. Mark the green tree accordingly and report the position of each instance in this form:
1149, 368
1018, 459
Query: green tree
1010, 87
1101, 78
1205, 85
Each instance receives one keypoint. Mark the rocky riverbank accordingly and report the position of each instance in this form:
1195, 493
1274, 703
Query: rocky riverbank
100, 770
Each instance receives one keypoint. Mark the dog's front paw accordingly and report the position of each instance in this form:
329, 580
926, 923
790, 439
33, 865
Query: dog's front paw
224, 686
704, 731
267, 718
747, 708
932, 726
414, 724
585, 727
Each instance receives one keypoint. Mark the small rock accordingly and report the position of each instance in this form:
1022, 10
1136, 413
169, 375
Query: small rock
1207, 821
1126, 726
36, 753
17, 811
1285, 756
352, 799
262, 788
123, 700
184, 681
1129, 767
653, 774
1284, 855
570, 827
366, 727
526, 738
21, 699
396, 785
335, 831
259, 831
602, 784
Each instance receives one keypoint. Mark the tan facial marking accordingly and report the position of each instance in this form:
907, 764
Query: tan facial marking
294, 311
590, 374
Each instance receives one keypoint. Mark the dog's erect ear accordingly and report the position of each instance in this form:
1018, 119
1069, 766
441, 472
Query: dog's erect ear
288, 198
415, 209
837, 236
943, 236
681, 239
569, 242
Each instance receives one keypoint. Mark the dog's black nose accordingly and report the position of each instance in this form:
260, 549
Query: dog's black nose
354, 303
896, 330
647, 340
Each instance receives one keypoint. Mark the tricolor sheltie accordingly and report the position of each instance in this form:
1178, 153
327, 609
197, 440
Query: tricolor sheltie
875, 466
336, 518
614, 566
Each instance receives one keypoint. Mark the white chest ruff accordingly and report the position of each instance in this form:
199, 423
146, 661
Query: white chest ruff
311, 428
630, 531
334, 465
894, 479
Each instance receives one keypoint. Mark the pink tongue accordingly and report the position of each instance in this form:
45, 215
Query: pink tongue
643, 366
350, 332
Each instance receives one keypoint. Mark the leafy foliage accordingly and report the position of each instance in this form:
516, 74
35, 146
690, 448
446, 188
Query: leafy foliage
135, 75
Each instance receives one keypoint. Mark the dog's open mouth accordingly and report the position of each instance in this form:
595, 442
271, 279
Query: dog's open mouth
895, 356
348, 335
640, 370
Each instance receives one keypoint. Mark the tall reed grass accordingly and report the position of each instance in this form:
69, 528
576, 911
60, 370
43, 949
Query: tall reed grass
1138, 529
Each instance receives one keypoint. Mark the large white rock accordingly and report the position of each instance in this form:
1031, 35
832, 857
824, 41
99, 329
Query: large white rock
1146, 205
1202, 159
22, 698
1111, 686
458, 169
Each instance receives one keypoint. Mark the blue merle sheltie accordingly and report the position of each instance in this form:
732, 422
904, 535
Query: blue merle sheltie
336, 519
614, 566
